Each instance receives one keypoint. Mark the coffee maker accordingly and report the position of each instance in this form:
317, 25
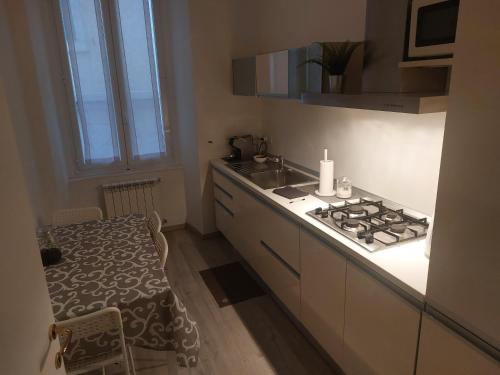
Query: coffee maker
242, 148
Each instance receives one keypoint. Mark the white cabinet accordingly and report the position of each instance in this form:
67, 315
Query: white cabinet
441, 351
281, 234
268, 241
224, 221
381, 328
322, 276
271, 247
247, 220
225, 207
279, 276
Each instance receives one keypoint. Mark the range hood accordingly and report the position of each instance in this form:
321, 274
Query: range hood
388, 102
386, 84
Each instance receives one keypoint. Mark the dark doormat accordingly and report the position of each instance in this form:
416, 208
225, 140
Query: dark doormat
230, 284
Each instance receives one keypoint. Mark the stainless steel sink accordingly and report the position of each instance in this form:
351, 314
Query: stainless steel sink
278, 178
270, 175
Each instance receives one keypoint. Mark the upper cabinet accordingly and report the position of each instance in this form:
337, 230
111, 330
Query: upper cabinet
290, 73
272, 74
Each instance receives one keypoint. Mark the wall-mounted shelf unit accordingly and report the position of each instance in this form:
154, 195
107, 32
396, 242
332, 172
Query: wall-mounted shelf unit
430, 63
388, 102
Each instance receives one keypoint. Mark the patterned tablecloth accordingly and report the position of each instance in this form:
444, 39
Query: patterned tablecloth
114, 263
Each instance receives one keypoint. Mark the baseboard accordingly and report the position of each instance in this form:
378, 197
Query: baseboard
171, 228
205, 236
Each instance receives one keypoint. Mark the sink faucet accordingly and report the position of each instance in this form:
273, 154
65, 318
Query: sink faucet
276, 159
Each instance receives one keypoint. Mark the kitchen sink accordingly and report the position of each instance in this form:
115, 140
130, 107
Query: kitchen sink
278, 178
270, 175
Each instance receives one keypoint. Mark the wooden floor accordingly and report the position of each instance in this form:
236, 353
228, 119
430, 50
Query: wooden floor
252, 337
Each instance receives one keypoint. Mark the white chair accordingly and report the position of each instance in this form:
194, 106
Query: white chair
154, 223
76, 215
105, 320
162, 247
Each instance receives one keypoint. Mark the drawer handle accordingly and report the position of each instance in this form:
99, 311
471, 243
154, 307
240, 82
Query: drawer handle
224, 191
280, 259
224, 208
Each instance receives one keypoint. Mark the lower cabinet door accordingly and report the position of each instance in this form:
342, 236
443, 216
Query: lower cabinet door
322, 280
441, 351
381, 328
279, 277
224, 221
247, 226
281, 234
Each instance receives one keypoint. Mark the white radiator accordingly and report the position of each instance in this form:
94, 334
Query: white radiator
132, 197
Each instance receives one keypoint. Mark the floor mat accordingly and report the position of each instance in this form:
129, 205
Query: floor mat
230, 284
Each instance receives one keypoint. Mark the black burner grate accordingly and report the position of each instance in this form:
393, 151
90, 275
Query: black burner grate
371, 223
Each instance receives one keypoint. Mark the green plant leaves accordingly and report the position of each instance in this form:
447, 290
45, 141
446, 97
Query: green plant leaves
335, 56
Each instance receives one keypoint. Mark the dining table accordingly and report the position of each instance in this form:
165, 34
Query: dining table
113, 262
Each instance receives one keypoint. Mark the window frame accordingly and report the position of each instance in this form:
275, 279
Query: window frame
126, 164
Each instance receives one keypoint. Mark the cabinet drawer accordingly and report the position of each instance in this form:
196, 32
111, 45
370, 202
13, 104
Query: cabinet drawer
224, 197
281, 234
280, 278
224, 221
224, 183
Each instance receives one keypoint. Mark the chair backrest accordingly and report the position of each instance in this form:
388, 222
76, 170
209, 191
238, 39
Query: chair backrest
76, 215
162, 247
154, 223
105, 320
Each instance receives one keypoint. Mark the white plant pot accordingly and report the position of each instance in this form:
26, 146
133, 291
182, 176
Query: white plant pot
336, 82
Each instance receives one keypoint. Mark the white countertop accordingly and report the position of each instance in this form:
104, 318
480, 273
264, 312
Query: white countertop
404, 265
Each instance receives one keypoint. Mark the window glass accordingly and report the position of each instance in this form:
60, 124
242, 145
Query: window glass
141, 82
90, 76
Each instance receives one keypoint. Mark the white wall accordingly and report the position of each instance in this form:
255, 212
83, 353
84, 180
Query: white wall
394, 155
34, 108
207, 112
172, 207
26, 312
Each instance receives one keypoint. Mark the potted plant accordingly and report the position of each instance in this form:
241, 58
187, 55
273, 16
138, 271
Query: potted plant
334, 61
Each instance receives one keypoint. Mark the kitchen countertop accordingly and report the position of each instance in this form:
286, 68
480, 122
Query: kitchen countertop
403, 266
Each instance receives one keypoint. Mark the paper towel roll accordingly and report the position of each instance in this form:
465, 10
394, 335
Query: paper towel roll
326, 169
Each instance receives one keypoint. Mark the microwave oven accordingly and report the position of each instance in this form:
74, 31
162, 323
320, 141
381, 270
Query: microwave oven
431, 28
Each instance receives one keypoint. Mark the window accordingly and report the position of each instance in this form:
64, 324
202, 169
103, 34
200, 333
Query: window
113, 69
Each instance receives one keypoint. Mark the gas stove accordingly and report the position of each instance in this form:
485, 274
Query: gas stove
370, 223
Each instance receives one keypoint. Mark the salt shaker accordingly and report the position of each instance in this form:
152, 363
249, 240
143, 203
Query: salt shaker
344, 188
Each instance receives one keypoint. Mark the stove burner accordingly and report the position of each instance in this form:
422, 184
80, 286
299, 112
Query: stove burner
398, 227
391, 216
356, 209
351, 223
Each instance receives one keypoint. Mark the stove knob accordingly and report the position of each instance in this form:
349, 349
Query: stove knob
318, 210
324, 214
369, 238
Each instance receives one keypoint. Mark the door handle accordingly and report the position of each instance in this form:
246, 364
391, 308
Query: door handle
54, 332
